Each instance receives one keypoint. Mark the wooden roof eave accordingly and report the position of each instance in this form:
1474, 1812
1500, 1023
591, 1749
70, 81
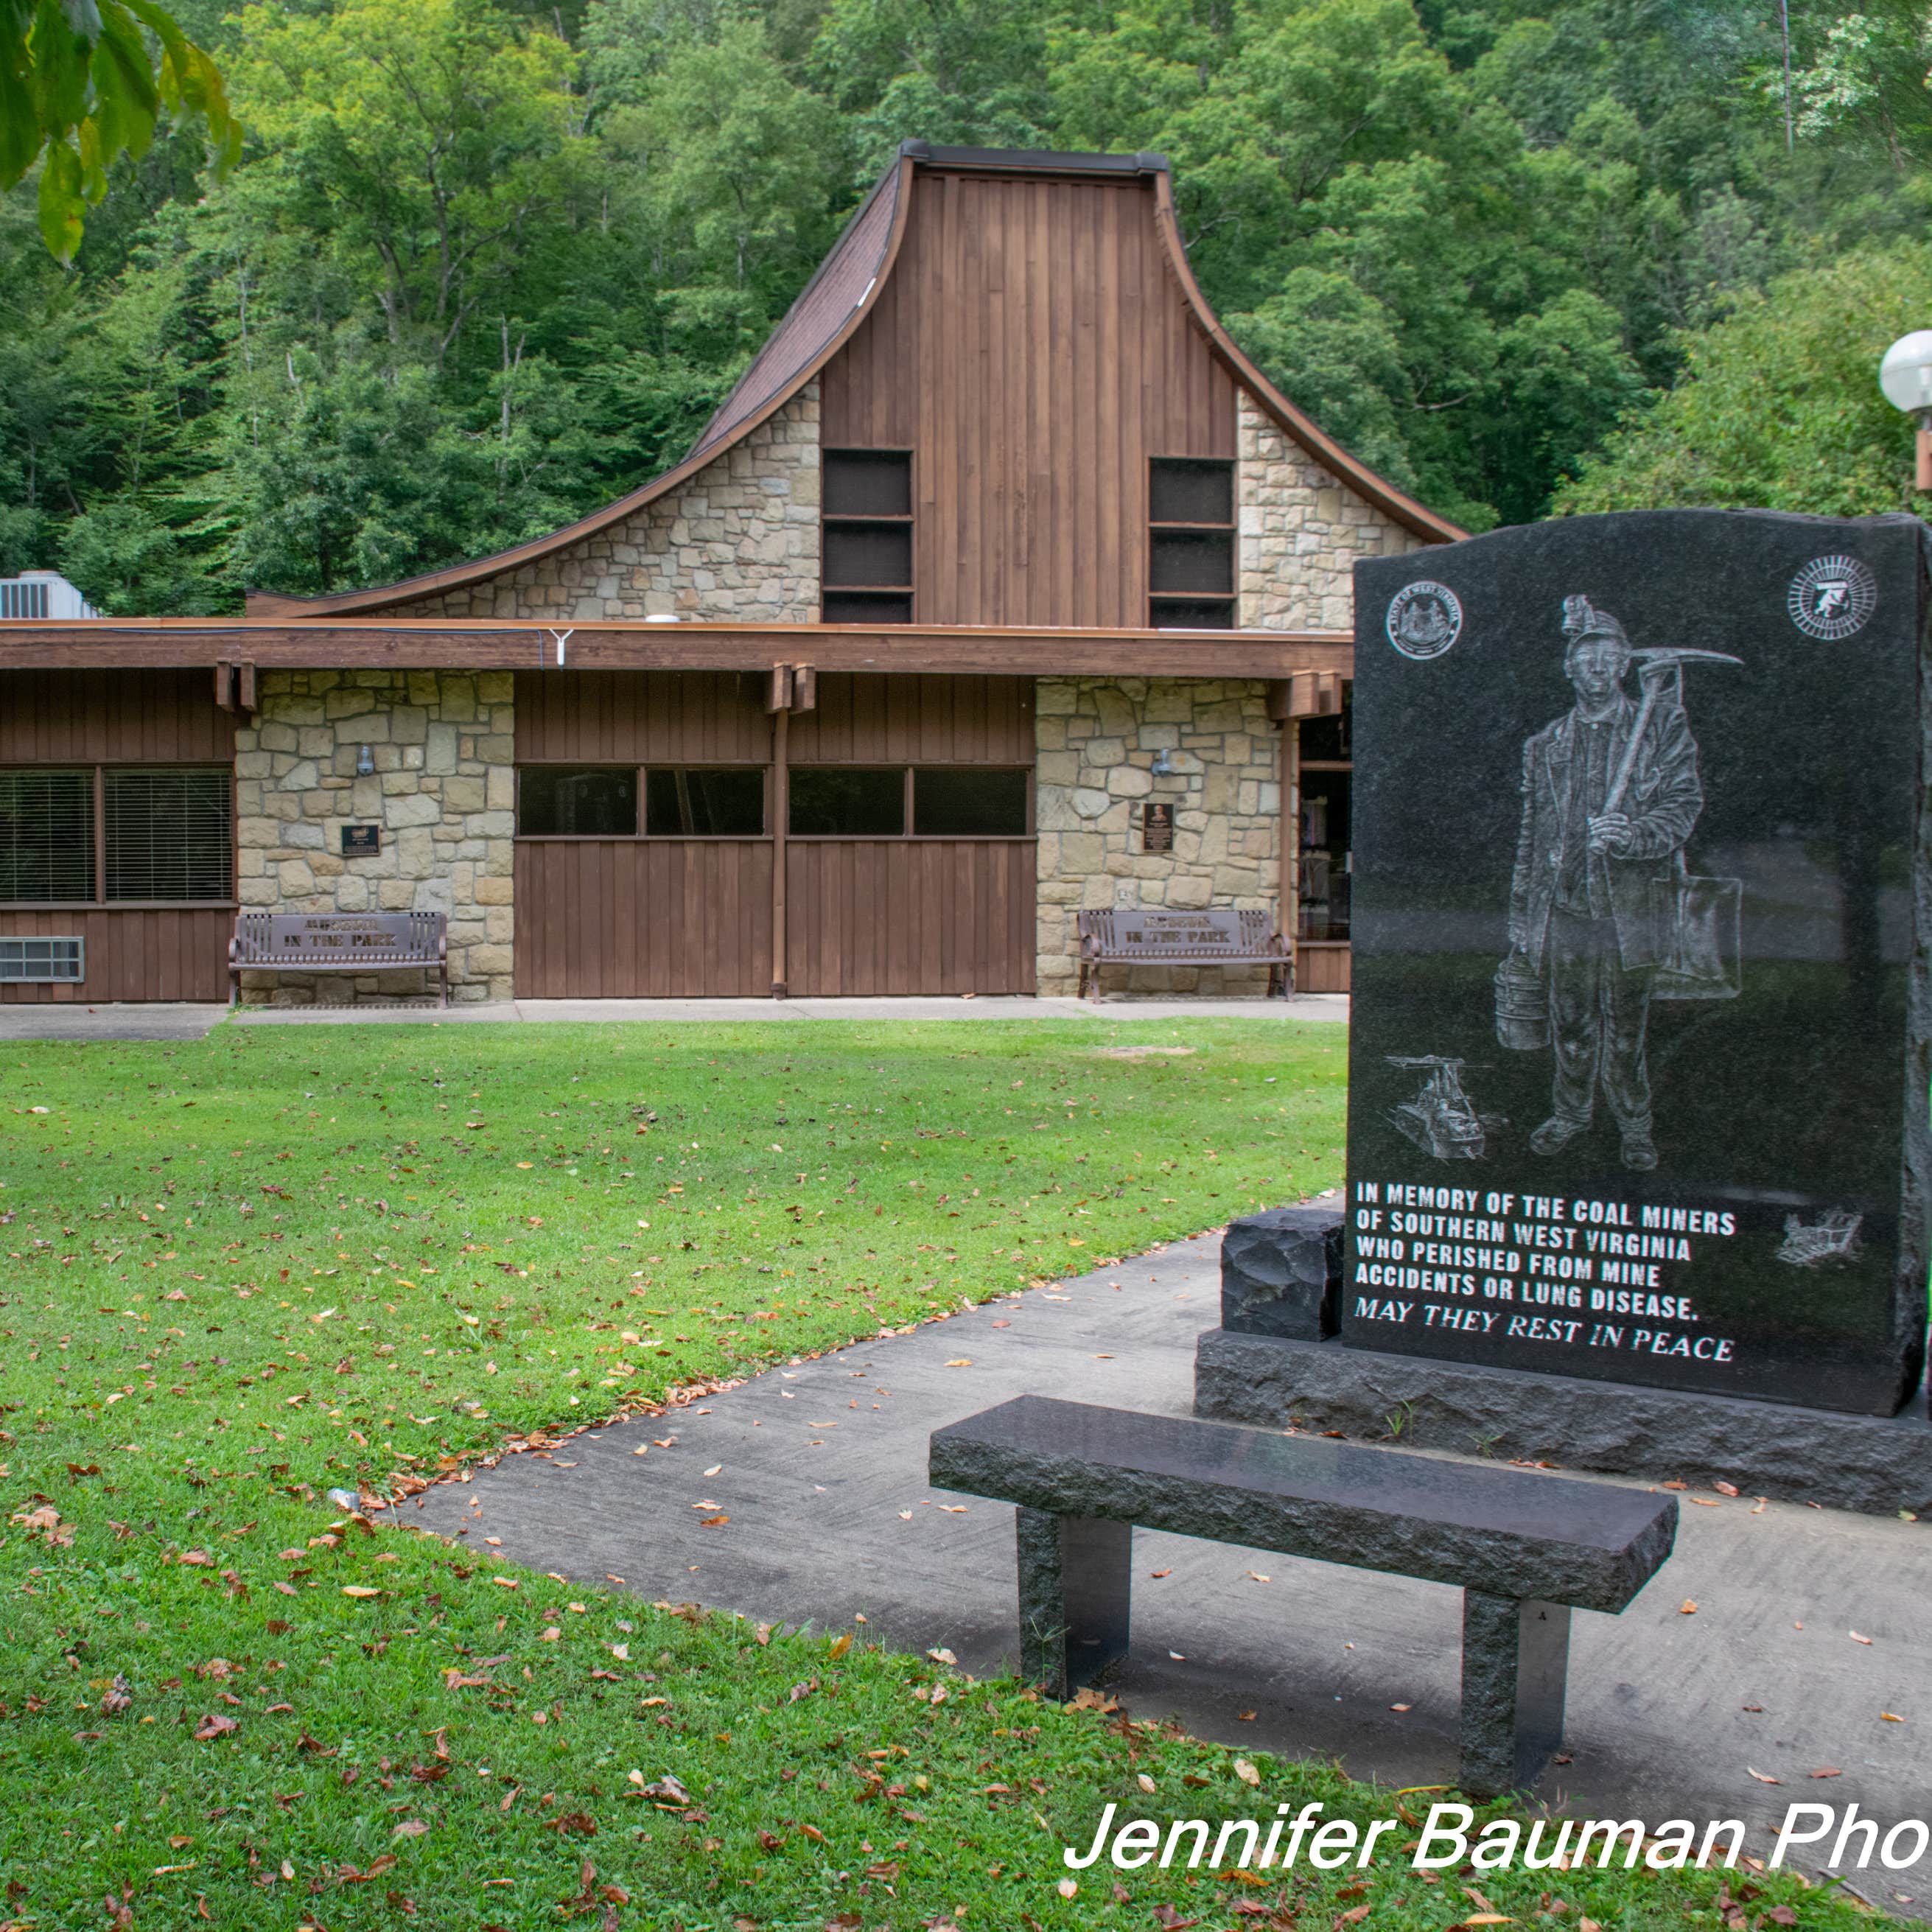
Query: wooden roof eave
707, 450
432, 644
1417, 518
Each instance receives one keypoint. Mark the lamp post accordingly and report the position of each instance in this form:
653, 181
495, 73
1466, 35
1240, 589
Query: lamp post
1905, 375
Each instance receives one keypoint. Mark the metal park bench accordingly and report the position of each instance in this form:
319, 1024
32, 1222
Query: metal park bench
348, 942
1526, 1549
1223, 937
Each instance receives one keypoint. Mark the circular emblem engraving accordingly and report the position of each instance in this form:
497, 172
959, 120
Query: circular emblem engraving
1424, 619
1832, 597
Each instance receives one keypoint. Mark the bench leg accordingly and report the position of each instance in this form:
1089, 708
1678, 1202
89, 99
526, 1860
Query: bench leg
1076, 1577
1515, 1657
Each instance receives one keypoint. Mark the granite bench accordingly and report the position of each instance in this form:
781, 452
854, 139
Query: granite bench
1526, 1549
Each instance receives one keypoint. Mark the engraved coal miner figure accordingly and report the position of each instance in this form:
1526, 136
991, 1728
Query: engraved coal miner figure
1610, 793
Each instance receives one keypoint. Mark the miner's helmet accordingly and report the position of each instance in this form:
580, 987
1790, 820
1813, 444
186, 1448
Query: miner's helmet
1582, 621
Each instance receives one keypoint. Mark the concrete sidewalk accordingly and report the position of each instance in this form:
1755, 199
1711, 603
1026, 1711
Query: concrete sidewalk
1298, 1006
68, 1019
1671, 1713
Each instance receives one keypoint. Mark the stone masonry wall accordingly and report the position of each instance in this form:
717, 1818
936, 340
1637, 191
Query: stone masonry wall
737, 543
1096, 740
443, 792
1300, 532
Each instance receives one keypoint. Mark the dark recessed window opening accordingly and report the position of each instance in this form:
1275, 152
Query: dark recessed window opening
1187, 562
575, 801
867, 607
727, 803
1191, 544
865, 554
47, 835
843, 802
168, 834
1327, 860
866, 548
1190, 490
969, 801
1193, 613
868, 483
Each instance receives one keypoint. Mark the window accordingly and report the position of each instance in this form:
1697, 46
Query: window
35, 959
46, 836
969, 801
867, 565
1191, 544
728, 803
842, 802
567, 802
168, 834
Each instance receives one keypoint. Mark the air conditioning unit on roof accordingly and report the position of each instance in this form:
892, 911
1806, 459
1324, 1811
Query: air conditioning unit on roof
43, 594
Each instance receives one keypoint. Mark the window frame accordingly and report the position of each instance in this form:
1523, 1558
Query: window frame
908, 771
643, 831
1160, 603
857, 520
98, 901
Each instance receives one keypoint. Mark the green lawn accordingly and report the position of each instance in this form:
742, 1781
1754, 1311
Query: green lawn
236, 1274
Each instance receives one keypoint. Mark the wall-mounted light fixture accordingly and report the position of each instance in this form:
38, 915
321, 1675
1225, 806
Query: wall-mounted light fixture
365, 763
1163, 765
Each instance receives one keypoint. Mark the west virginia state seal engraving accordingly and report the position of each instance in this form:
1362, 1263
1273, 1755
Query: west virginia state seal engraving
1424, 619
1832, 597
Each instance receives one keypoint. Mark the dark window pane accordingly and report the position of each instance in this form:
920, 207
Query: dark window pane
860, 553
830, 801
168, 835
866, 608
728, 804
1194, 613
1181, 490
967, 802
1187, 561
1330, 738
1325, 857
47, 835
868, 483
559, 801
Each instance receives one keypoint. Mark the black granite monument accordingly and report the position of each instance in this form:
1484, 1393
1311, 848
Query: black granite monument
1638, 1056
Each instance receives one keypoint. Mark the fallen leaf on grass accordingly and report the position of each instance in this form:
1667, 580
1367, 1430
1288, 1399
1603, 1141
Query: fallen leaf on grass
1246, 1772
216, 1725
1068, 1887
1145, 1783
410, 1828
360, 1590
840, 1646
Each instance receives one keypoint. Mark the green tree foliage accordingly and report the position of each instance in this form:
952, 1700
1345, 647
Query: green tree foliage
1778, 406
485, 264
81, 86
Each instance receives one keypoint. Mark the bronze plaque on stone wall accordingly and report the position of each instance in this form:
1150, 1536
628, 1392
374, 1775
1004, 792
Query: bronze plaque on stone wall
1156, 826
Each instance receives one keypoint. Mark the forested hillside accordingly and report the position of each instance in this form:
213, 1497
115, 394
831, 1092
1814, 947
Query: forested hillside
484, 266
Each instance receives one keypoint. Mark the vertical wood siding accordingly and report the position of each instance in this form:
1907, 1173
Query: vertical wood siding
865, 718
112, 717
631, 717
120, 717
1032, 352
879, 917
638, 918
130, 956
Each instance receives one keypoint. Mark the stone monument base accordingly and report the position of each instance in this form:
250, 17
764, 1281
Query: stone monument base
1878, 1465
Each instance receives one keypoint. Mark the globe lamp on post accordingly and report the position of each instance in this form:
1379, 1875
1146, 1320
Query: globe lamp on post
1905, 375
